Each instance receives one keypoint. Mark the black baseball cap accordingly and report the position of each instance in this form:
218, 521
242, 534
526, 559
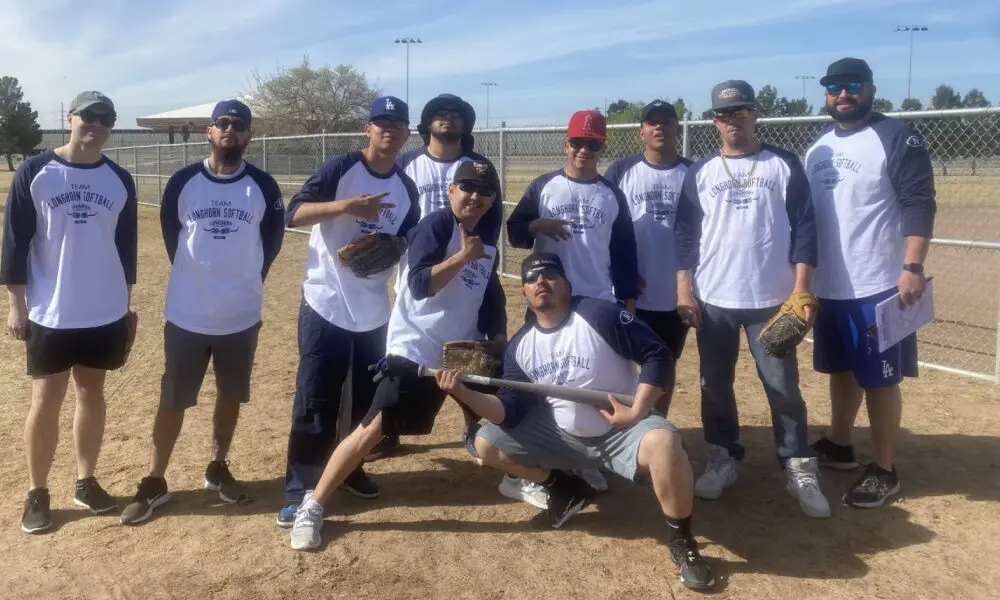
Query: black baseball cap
541, 262
734, 93
658, 107
848, 68
477, 171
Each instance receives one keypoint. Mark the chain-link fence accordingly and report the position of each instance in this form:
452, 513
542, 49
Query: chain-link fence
964, 146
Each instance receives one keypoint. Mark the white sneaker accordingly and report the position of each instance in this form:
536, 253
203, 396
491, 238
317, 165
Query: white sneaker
308, 523
523, 490
719, 474
803, 485
594, 478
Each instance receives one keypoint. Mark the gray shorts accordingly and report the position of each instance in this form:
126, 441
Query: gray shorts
187, 354
538, 442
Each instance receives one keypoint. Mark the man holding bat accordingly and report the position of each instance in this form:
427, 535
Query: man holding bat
581, 342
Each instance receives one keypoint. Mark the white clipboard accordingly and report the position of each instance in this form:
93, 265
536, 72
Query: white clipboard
895, 323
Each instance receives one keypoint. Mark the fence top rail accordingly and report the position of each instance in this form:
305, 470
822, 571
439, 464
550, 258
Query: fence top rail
981, 245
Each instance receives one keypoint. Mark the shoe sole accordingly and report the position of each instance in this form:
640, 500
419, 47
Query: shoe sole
582, 504
809, 512
692, 585
94, 511
156, 503
892, 492
216, 488
284, 524
36, 529
520, 496
355, 492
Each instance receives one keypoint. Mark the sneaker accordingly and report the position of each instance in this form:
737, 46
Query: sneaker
523, 490
152, 493
361, 485
835, 456
219, 479
286, 516
873, 488
694, 571
568, 495
594, 478
719, 474
36, 515
803, 485
90, 495
469, 441
386, 445
308, 523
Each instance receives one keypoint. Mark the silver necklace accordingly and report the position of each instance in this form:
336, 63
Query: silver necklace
749, 175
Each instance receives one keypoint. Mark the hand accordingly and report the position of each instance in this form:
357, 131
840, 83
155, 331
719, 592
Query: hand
911, 287
641, 283
497, 346
551, 228
809, 309
472, 247
448, 381
620, 416
690, 314
17, 322
367, 206
630, 305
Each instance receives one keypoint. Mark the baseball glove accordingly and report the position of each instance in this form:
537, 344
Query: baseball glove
371, 254
475, 357
787, 328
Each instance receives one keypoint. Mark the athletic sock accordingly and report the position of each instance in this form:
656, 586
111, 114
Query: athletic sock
679, 528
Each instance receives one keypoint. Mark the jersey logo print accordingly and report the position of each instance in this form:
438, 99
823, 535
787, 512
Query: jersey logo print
220, 228
476, 273
886, 370
915, 141
625, 317
81, 203
386, 216
80, 212
221, 218
389, 105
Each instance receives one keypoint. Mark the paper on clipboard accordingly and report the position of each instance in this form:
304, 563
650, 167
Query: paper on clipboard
896, 323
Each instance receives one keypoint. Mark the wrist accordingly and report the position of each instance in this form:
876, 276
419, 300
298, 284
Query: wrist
914, 267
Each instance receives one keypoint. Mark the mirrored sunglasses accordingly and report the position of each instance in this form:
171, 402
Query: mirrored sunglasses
852, 87
535, 274
741, 113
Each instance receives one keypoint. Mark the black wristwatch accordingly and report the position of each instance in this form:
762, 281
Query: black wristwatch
915, 268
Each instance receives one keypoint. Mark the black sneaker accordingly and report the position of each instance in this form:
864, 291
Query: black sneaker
835, 456
90, 495
875, 487
386, 445
36, 515
219, 479
152, 493
694, 571
568, 495
361, 485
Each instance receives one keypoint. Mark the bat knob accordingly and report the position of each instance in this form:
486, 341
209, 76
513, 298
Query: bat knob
421, 371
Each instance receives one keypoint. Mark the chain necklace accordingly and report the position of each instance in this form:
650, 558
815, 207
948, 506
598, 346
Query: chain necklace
749, 175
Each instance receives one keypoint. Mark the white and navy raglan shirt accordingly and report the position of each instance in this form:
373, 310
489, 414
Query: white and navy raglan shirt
70, 236
600, 257
330, 288
741, 234
597, 347
872, 186
651, 192
470, 306
222, 233
432, 178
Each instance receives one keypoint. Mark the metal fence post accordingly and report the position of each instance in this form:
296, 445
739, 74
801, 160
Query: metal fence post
323, 143
686, 140
503, 210
159, 182
184, 154
263, 151
996, 367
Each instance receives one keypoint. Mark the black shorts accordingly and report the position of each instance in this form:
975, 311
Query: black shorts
51, 351
668, 325
409, 404
187, 354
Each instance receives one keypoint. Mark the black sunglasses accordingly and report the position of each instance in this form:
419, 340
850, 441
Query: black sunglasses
592, 145
534, 275
90, 116
447, 112
238, 125
389, 122
475, 188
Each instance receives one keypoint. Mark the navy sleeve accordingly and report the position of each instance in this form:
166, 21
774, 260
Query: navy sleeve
624, 254
489, 227
516, 403
493, 311
413, 215
127, 229
629, 336
804, 247
687, 223
19, 225
909, 167
621, 166
272, 226
322, 185
170, 220
524, 213
427, 245
403, 159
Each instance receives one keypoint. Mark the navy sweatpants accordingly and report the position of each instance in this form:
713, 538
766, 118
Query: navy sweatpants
327, 355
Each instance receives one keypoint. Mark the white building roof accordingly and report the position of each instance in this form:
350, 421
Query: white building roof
197, 116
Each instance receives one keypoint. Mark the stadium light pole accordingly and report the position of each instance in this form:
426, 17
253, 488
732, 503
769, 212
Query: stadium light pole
407, 42
911, 29
488, 85
804, 78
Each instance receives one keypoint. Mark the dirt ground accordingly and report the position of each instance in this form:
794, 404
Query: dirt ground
441, 529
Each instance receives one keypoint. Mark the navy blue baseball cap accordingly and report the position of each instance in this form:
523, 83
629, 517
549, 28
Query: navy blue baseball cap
231, 108
389, 106
731, 94
538, 263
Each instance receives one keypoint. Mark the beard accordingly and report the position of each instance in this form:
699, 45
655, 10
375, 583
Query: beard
448, 137
229, 155
856, 113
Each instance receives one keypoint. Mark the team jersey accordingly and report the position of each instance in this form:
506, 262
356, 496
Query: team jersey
330, 288
741, 232
651, 192
70, 236
598, 347
872, 187
470, 306
222, 233
432, 177
600, 257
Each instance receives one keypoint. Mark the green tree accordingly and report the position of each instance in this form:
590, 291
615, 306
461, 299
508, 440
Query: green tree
619, 106
681, 108
796, 107
767, 101
708, 114
975, 99
945, 97
19, 129
882, 105
911, 104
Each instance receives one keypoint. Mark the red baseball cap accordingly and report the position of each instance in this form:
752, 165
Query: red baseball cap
587, 124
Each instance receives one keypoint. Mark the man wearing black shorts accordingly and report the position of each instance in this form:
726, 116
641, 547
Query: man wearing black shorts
450, 294
223, 223
651, 182
69, 263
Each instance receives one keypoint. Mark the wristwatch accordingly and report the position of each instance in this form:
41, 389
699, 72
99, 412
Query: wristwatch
915, 268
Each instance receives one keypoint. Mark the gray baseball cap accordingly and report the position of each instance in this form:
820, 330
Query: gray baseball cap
734, 93
85, 100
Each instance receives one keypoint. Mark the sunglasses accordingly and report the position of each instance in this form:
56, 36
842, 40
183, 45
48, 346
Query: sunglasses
447, 112
592, 145
852, 87
238, 125
741, 113
536, 274
389, 122
90, 116
475, 188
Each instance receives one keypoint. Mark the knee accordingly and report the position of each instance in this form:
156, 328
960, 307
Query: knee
661, 448
489, 453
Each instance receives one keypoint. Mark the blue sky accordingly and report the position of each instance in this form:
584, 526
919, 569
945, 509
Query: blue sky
548, 58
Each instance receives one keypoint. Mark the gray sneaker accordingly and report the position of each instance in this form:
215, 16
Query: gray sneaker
308, 524
37, 516
219, 479
152, 494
